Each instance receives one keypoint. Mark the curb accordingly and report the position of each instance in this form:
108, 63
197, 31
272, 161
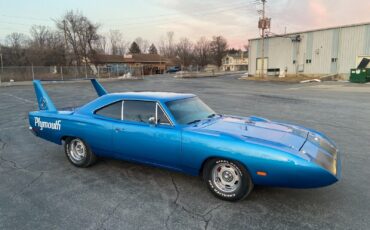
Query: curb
47, 82
204, 75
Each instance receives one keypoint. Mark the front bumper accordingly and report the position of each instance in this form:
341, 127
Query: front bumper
323, 152
31, 129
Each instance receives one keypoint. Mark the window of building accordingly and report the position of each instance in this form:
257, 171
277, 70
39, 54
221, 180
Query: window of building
294, 61
112, 110
139, 111
308, 61
334, 60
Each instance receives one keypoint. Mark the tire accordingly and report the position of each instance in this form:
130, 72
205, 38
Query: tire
227, 180
79, 153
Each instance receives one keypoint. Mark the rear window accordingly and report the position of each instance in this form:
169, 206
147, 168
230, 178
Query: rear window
111, 111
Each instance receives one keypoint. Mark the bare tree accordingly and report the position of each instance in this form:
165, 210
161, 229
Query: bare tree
55, 54
218, 49
80, 34
101, 45
40, 36
184, 50
167, 46
115, 38
16, 40
45, 47
170, 39
16, 52
118, 45
202, 51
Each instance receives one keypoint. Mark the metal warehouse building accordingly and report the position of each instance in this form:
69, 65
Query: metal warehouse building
319, 52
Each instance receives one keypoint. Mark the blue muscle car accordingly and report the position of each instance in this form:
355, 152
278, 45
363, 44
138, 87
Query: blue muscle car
180, 132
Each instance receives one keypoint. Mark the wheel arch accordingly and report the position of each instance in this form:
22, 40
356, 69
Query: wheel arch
200, 172
65, 137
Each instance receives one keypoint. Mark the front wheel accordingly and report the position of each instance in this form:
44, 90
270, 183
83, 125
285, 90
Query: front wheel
79, 153
227, 180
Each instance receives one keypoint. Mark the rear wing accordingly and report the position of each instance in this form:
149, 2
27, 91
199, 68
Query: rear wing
46, 104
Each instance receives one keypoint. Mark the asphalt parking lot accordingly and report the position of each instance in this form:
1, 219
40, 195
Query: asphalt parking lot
40, 189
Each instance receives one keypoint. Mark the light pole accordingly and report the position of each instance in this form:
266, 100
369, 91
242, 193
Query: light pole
2, 65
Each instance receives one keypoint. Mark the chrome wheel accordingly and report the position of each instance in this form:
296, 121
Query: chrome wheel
77, 150
226, 177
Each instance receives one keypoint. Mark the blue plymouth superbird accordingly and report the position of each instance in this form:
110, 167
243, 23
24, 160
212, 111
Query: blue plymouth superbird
180, 132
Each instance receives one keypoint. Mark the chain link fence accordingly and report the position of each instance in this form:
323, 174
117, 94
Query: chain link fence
28, 73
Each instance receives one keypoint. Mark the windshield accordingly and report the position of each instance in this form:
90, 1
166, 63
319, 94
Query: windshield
189, 110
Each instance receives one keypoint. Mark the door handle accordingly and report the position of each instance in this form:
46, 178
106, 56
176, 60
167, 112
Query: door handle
119, 129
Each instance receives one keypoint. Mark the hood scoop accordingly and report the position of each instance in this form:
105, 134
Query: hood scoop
259, 129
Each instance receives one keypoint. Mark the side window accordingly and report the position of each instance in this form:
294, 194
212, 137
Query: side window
161, 116
139, 111
112, 111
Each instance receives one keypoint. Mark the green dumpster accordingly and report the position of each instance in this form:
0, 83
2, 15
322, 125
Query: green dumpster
359, 75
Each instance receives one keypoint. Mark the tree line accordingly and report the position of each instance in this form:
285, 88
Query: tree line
76, 39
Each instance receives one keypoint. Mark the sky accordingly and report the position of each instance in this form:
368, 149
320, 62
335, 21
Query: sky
236, 20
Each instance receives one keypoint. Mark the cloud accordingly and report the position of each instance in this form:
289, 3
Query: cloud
314, 14
318, 11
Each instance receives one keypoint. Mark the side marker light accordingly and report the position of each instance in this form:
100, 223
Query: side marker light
261, 173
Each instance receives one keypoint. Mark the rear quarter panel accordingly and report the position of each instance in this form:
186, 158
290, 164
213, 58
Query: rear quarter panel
95, 132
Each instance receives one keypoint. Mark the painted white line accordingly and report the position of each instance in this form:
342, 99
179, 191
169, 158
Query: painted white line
19, 98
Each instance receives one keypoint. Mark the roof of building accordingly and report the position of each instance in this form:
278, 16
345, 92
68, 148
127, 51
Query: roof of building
238, 55
131, 58
103, 58
313, 30
143, 58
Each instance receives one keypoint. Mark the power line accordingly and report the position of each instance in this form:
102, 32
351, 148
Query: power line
153, 19
180, 18
174, 14
160, 19
22, 17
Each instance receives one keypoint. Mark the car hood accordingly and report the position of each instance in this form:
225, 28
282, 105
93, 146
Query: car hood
257, 129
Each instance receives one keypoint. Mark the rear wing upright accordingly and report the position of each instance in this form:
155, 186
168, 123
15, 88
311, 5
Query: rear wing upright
43, 99
98, 88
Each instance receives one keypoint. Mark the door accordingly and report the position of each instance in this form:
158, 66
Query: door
99, 133
147, 135
259, 68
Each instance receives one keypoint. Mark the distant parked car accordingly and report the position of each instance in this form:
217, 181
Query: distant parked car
173, 69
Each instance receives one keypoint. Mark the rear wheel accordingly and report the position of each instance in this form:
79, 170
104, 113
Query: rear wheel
227, 180
78, 152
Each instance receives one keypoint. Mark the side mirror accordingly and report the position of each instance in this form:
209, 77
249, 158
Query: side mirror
151, 120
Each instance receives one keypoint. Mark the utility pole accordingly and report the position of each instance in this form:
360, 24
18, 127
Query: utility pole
65, 40
263, 24
263, 37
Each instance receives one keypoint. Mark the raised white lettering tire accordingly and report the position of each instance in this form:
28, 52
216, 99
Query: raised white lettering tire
227, 180
78, 152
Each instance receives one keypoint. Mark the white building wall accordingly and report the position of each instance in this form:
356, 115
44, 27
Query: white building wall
280, 54
320, 53
351, 44
252, 56
343, 43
